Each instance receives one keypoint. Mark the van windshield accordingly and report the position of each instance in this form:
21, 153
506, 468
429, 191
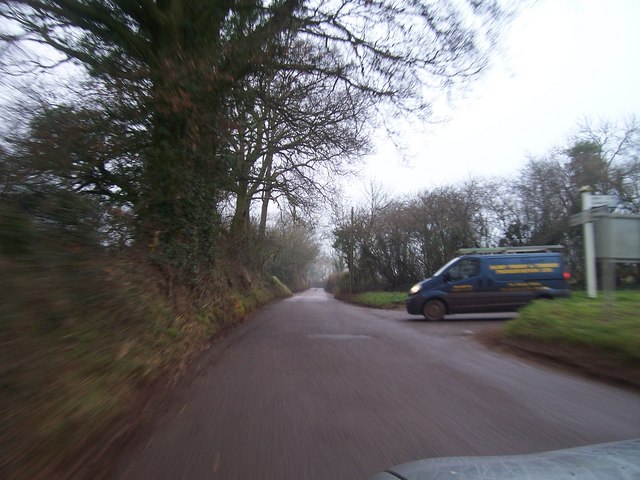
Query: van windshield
447, 265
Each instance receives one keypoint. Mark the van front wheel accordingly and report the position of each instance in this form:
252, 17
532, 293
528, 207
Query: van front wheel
433, 310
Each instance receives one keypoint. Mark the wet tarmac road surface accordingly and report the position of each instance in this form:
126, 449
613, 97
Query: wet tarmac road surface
312, 388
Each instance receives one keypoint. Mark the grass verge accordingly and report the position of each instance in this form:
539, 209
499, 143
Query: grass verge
611, 328
389, 300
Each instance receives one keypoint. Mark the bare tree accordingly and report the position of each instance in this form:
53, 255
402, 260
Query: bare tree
614, 164
604, 158
294, 132
181, 61
397, 242
395, 50
544, 198
176, 62
291, 251
445, 219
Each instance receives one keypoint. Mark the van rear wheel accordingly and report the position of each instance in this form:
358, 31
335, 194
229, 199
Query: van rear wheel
433, 310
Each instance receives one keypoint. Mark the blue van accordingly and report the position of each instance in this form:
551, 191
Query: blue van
491, 280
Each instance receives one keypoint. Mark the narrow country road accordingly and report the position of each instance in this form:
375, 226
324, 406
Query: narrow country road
311, 388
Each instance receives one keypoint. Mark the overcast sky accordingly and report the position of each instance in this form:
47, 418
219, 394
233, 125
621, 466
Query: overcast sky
562, 61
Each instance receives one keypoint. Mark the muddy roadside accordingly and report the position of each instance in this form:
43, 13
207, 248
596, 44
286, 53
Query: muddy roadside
601, 365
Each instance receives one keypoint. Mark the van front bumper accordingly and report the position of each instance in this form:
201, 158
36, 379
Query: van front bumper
414, 304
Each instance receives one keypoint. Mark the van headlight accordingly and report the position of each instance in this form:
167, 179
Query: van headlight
415, 289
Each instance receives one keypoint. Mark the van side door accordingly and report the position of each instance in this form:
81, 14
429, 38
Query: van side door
462, 284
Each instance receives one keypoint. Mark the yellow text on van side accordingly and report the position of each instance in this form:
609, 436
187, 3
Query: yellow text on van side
524, 268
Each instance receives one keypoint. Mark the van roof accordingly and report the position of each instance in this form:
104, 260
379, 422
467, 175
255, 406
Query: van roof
511, 250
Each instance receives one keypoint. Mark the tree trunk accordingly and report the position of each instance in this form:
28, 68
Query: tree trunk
266, 196
182, 175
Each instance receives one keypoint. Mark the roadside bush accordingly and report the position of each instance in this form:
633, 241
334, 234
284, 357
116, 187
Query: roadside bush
610, 327
338, 284
85, 330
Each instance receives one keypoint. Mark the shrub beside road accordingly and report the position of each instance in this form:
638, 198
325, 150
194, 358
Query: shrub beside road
599, 337
597, 324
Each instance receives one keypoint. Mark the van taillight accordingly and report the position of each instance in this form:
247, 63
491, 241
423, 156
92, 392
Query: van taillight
566, 275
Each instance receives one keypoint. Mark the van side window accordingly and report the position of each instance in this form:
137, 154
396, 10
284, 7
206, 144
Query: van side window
466, 268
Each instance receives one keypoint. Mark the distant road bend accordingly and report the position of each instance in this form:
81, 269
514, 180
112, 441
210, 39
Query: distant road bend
312, 388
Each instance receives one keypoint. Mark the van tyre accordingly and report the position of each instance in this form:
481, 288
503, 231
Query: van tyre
434, 310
